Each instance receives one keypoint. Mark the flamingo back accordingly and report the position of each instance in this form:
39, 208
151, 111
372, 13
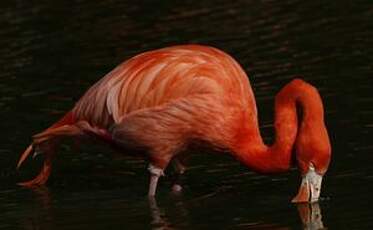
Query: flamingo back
156, 77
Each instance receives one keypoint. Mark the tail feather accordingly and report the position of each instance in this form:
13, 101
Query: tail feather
63, 127
66, 130
42, 177
24, 155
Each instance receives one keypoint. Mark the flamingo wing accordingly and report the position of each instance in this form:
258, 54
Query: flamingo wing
167, 128
158, 77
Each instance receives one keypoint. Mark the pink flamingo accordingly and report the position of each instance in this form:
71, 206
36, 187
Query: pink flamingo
160, 102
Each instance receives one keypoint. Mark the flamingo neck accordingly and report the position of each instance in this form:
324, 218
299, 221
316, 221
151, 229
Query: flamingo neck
251, 149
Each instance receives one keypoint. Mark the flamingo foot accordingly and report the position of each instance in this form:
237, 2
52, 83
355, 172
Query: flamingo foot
177, 180
177, 183
177, 188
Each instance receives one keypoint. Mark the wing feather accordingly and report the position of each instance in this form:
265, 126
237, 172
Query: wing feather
157, 77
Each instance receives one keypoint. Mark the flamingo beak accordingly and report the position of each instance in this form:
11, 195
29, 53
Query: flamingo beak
310, 187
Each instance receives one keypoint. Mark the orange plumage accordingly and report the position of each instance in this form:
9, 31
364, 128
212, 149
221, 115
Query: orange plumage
160, 102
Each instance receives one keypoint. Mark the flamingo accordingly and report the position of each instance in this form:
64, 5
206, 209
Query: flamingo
161, 102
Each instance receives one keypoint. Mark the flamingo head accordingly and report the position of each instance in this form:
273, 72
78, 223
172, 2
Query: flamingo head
313, 162
310, 188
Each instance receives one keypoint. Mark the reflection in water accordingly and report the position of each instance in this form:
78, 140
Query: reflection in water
43, 196
42, 215
311, 217
159, 220
166, 217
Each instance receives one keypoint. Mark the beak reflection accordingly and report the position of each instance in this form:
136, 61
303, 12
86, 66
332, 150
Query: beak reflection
310, 188
310, 215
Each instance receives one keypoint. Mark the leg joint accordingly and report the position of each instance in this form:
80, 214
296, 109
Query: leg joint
156, 171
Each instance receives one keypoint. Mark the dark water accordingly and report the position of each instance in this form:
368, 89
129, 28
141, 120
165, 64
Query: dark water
52, 51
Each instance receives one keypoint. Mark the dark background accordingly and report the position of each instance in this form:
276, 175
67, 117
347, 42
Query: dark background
52, 51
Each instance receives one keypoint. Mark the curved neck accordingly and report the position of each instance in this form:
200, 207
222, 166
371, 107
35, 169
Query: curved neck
251, 149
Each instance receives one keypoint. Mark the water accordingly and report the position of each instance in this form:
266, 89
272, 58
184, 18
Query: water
52, 51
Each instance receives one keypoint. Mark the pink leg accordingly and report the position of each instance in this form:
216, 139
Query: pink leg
179, 170
155, 173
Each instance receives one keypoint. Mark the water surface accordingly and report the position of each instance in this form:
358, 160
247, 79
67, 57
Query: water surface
52, 51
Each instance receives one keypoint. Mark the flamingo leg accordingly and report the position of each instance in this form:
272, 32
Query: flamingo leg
179, 172
155, 173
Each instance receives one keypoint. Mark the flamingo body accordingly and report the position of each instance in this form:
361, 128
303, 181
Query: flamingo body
154, 78
161, 101
175, 93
